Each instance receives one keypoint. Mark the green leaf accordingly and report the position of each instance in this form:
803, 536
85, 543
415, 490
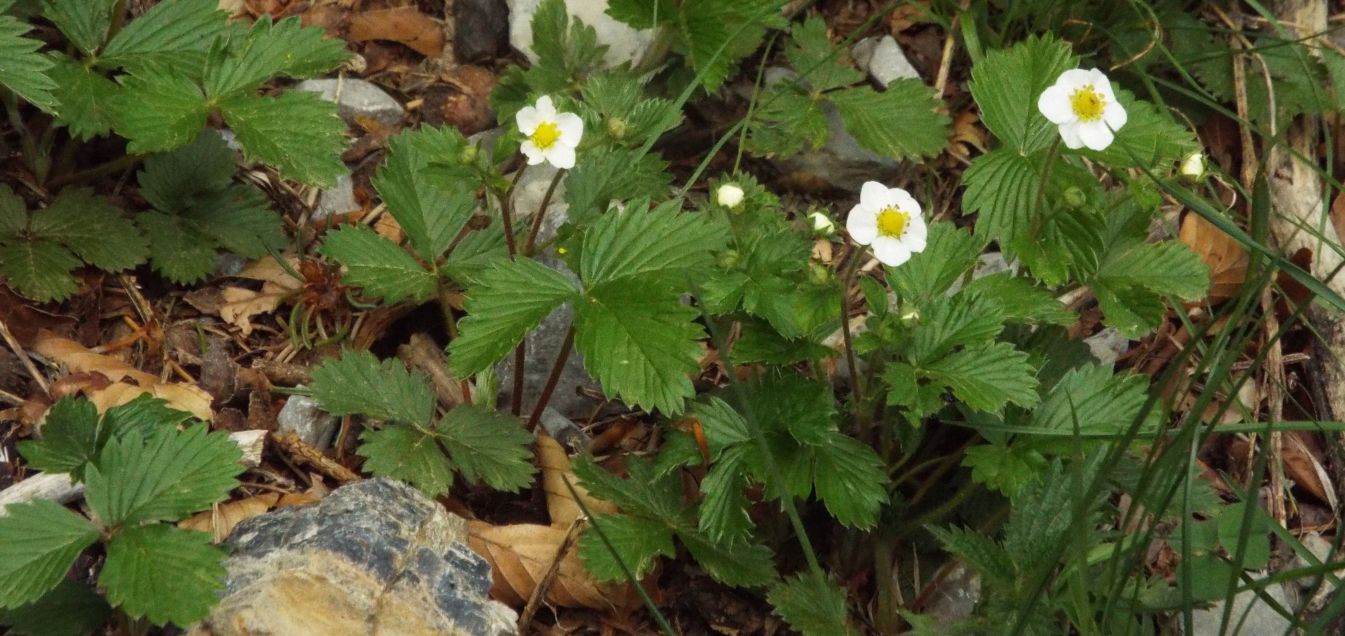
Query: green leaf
1042, 514
178, 250
1003, 468
297, 132
84, 22
812, 604
508, 301
39, 270
988, 377
165, 32
723, 426
964, 319
750, 565
488, 447
640, 342
851, 480
141, 417
91, 228
408, 453
949, 254
901, 122
431, 214
163, 573
1097, 400
245, 61
158, 112
378, 266
357, 383
1021, 300
1151, 138
22, 69
175, 181
1002, 190
714, 35
1256, 552
1168, 268
723, 512
642, 14
651, 245
567, 50
613, 174
636, 542
642, 494
69, 438
1006, 85
86, 98
986, 557
812, 55
784, 121
69, 609
238, 219
168, 476
39, 541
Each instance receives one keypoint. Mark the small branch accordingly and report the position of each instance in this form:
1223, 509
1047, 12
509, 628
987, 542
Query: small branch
552, 380
507, 211
540, 590
541, 213
23, 357
847, 280
119, 164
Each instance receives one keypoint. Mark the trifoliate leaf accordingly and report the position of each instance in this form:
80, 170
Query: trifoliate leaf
1169, 268
245, 61
813, 605
714, 35
22, 69
1096, 399
1150, 137
167, 476
297, 132
358, 383
1003, 468
508, 301
649, 245
38, 543
566, 50
429, 211
900, 122
614, 174
949, 254
165, 31
722, 424
986, 557
178, 250
785, 121
91, 228
476, 253
635, 542
640, 342
378, 266
141, 417
1006, 85
802, 407
69, 438
817, 60
239, 220
988, 377
174, 181
642, 494
964, 319
163, 573
850, 480
488, 447
617, 104
86, 98
723, 511
38, 269
158, 112
1020, 299
69, 609
409, 453
1002, 190
1133, 311
739, 565
84, 22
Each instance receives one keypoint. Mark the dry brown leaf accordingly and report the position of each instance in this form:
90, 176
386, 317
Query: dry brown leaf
968, 134
555, 464
1226, 258
183, 397
240, 305
1305, 467
79, 359
223, 518
521, 554
406, 25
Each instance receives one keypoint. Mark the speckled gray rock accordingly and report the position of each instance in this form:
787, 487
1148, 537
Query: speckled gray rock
303, 416
1107, 345
883, 60
1251, 615
337, 199
624, 43
375, 558
357, 98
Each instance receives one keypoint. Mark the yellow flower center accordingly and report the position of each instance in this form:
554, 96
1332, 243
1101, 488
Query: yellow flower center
546, 135
892, 222
1087, 103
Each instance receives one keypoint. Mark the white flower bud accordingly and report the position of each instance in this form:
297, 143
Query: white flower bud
729, 195
1193, 166
822, 224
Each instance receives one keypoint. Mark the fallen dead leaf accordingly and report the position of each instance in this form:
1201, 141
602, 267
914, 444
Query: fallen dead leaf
555, 464
1226, 258
1304, 466
521, 554
406, 25
79, 359
221, 520
241, 304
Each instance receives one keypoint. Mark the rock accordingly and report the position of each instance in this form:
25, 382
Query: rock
1107, 345
1251, 616
373, 558
1325, 553
624, 44
480, 29
883, 60
461, 99
955, 597
303, 416
229, 264
357, 99
338, 199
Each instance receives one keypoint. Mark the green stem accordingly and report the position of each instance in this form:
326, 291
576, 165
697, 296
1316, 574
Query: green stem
847, 280
1039, 222
540, 215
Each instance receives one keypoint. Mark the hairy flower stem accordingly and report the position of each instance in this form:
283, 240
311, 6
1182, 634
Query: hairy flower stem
541, 213
848, 281
520, 353
451, 323
552, 380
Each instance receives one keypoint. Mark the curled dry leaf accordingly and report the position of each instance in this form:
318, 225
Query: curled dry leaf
79, 359
222, 520
406, 25
1303, 464
239, 304
555, 464
1226, 258
520, 556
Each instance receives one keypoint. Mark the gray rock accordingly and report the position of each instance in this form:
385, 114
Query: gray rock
624, 44
338, 199
303, 416
480, 29
374, 558
357, 98
883, 60
955, 597
1107, 345
1251, 616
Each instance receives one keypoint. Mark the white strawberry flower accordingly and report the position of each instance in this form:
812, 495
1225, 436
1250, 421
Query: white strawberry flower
551, 136
729, 195
888, 220
1083, 106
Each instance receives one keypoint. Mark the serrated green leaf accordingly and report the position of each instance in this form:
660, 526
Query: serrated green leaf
616, 104
141, 417
635, 542
39, 541
1097, 400
13, 214
785, 121
850, 480
900, 122
476, 253
1021, 300
92, 228
269, 49
714, 35
297, 132
1169, 268
508, 301
488, 447
642, 14
980, 552
722, 424
750, 565
69, 438
158, 112
429, 211
651, 245
84, 22
177, 249
723, 511
813, 605
1042, 514
1002, 190
166, 31
640, 343
641, 494
1150, 138
988, 377
358, 383
949, 254
167, 476
174, 181
22, 69
615, 174
408, 453
38, 269
1003, 468
1006, 85
86, 98
378, 266
566, 51
788, 402
1133, 311
238, 219
823, 65
163, 573
964, 319
69, 609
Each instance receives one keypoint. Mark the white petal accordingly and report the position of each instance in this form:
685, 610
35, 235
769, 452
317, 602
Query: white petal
891, 251
905, 202
917, 229
1114, 114
561, 156
862, 224
1099, 80
1069, 132
545, 108
532, 152
571, 128
1096, 135
528, 119
916, 240
873, 194
1054, 105
1074, 78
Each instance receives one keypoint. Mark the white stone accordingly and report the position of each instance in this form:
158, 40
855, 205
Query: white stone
1251, 616
357, 98
303, 416
338, 199
883, 60
1107, 345
624, 43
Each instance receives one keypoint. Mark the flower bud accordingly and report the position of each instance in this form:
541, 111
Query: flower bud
819, 274
1193, 167
468, 154
729, 259
617, 127
822, 224
729, 195
1075, 198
